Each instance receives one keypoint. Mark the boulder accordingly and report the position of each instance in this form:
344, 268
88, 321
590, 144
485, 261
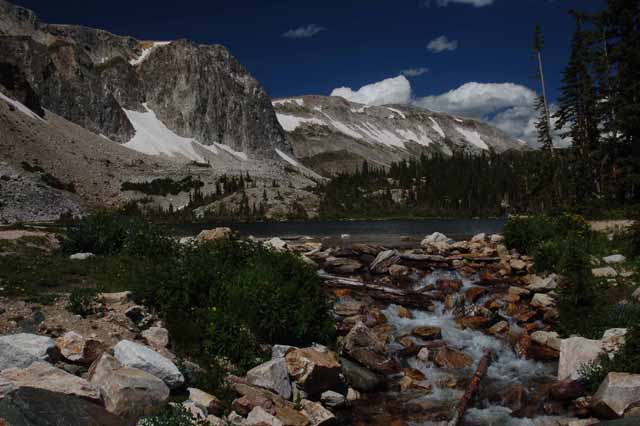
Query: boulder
11, 357
246, 403
214, 234
614, 259
134, 355
450, 358
333, 399
81, 256
259, 417
636, 295
437, 241
383, 261
342, 265
539, 284
313, 370
428, 333
499, 328
496, 238
276, 244
613, 339
479, 238
517, 264
604, 272
369, 349
550, 339
42, 375
616, 393
575, 352
474, 293
40, 347
542, 301
568, 390
449, 285
40, 407
423, 354
207, 402
75, 348
280, 351
316, 413
399, 271
272, 375
130, 392
156, 337
348, 307
359, 377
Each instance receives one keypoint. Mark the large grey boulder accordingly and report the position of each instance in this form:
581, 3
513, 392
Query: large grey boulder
383, 261
314, 369
576, 352
272, 375
260, 417
39, 407
131, 393
134, 355
616, 393
42, 375
37, 346
316, 413
10, 357
359, 377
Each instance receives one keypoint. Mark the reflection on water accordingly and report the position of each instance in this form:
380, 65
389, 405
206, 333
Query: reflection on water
391, 233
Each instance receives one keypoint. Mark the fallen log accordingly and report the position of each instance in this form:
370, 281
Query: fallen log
406, 298
472, 388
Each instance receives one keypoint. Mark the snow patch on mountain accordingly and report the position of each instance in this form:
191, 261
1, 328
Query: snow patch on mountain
472, 137
146, 52
154, 138
291, 122
21, 107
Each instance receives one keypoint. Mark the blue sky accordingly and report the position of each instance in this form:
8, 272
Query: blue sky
359, 42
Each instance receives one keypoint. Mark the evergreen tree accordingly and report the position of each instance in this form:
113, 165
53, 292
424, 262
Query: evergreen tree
578, 109
543, 124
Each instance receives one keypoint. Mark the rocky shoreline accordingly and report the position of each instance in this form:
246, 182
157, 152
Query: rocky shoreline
421, 331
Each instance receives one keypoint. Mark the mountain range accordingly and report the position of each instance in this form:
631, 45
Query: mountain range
84, 111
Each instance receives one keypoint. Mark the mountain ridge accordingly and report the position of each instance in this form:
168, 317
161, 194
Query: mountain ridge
323, 129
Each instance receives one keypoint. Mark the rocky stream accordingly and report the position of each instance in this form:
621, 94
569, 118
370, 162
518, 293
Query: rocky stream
445, 334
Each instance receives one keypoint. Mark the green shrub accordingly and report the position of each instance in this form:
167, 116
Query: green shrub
175, 415
226, 298
110, 234
82, 301
525, 234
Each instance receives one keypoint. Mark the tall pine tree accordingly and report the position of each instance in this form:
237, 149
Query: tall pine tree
543, 124
578, 110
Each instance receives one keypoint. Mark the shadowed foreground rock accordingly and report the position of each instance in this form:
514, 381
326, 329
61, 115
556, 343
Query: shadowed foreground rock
38, 407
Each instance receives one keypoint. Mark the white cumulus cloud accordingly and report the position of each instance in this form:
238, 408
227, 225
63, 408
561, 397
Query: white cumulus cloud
480, 99
442, 44
443, 3
304, 31
390, 91
507, 106
414, 72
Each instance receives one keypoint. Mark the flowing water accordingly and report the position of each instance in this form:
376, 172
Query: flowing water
431, 408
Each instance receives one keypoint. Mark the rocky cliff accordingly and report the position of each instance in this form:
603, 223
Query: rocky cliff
92, 78
331, 134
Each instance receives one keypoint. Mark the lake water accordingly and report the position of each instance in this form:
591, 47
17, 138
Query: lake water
390, 233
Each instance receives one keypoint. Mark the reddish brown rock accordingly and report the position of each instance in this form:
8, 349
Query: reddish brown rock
428, 333
448, 285
450, 358
475, 293
474, 322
